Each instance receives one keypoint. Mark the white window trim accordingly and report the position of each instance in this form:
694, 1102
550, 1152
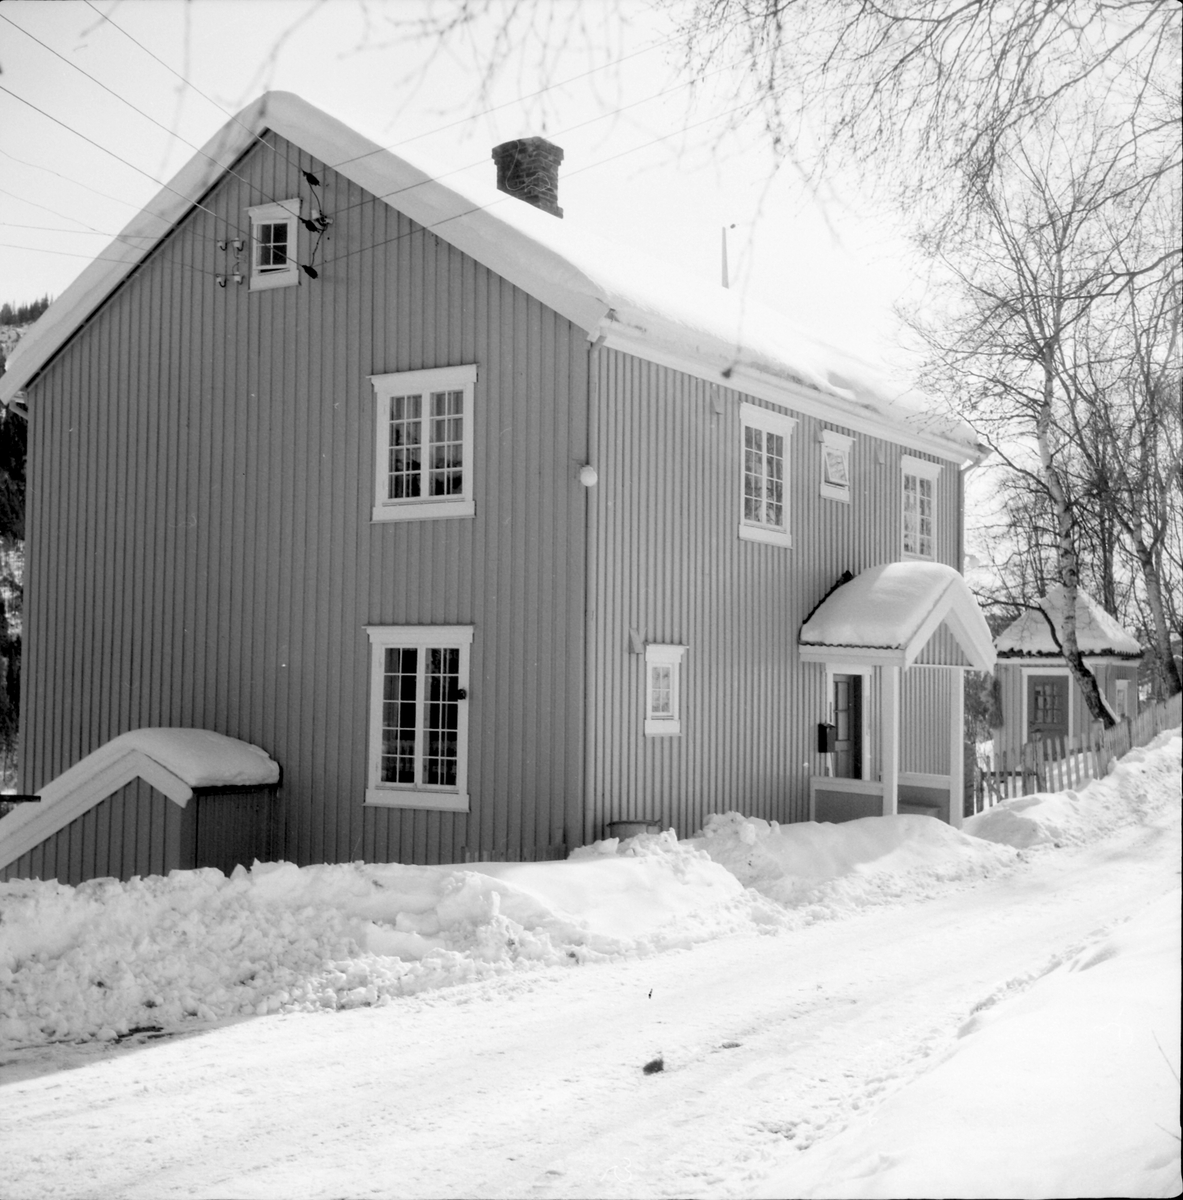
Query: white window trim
922, 469
666, 656
834, 441
1025, 674
402, 795
398, 383
261, 214
769, 422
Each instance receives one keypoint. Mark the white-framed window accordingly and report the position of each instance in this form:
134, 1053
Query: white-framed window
1121, 699
423, 438
764, 499
273, 244
836, 465
920, 488
418, 754
663, 690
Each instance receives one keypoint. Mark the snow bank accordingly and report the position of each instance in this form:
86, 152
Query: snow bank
1137, 785
825, 869
106, 957
1013, 1109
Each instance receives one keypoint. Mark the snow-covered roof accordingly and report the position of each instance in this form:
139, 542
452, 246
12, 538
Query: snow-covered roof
888, 614
635, 303
1096, 631
174, 761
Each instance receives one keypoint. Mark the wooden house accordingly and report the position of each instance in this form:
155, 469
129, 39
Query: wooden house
489, 533
1039, 698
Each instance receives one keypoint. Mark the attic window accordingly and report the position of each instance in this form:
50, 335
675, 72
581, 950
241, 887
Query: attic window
273, 244
836, 465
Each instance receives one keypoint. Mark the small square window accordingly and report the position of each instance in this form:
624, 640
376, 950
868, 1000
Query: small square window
919, 506
424, 444
836, 465
764, 506
663, 690
418, 754
273, 245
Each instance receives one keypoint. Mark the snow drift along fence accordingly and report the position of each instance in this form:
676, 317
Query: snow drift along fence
1058, 763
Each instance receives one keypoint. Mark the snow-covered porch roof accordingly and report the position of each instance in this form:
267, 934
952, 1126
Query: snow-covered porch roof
888, 614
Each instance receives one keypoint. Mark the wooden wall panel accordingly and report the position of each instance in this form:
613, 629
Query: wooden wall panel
212, 562
666, 561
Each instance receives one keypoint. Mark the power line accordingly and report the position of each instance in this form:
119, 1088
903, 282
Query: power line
558, 133
507, 104
482, 207
87, 232
123, 262
147, 117
120, 158
69, 179
193, 87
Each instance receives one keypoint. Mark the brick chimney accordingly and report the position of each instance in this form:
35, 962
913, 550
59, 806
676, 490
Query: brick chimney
528, 168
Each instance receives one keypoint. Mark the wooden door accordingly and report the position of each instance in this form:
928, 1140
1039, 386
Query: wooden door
1047, 706
848, 722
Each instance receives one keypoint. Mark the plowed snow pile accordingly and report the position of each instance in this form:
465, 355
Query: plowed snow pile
105, 958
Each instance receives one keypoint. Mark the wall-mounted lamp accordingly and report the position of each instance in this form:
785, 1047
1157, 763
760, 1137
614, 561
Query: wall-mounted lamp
588, 476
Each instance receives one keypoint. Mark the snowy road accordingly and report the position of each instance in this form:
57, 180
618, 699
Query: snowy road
532, 1085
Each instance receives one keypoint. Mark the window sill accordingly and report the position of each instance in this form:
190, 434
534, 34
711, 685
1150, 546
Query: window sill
770, 537
429, 510
663, 728
830, 492
263, 283
912, 556
411, 798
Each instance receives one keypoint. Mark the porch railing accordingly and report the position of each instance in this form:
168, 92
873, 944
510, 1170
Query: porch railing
1058, 763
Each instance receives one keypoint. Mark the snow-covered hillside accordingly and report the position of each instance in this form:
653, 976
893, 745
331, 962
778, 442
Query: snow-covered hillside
887, 1007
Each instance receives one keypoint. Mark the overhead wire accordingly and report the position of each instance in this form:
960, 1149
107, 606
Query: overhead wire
119, 158
557, 133
147, 116
484, 207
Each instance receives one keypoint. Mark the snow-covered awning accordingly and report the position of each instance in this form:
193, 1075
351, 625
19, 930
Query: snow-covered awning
1038, 632
888, 614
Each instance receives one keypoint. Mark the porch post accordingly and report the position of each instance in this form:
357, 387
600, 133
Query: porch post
957, 748
889, 737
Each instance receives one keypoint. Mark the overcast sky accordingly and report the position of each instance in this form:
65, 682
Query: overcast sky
648, 159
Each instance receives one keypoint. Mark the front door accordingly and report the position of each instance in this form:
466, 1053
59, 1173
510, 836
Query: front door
848, 722
1047, 707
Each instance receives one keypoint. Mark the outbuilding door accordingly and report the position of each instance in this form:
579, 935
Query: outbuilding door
1047, 706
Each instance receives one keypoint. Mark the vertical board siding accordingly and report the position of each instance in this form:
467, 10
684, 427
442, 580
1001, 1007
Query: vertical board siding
213, 562
666, 561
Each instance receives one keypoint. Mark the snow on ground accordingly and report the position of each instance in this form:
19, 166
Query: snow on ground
1068, 1090
1075, 817
935, 1014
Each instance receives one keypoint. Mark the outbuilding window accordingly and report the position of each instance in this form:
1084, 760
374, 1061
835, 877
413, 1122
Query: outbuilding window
424, 444
764, 502
919, 483
663, 690
273, 244
418, 755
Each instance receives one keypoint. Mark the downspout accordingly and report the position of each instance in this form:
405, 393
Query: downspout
595, 341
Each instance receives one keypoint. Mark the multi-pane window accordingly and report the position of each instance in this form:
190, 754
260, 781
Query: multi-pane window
273, 244
836, 465
424, 438
919, 506
764, 512
663, 690
419, 716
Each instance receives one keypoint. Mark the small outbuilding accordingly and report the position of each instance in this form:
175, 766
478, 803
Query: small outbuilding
1038, 696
